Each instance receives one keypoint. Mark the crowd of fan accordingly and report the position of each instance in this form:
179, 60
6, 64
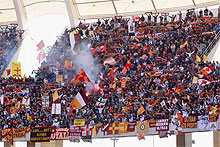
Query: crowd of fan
9, 37
159, 67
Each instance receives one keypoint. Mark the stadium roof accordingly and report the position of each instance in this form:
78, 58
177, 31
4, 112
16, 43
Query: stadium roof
88, 9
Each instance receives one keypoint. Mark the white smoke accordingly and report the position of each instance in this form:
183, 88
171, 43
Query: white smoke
84, 60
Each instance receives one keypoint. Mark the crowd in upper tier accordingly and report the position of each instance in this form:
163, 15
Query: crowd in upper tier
9, 38
164, 61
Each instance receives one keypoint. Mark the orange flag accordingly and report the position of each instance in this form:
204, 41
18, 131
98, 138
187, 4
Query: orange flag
180, 116
154, 102
68, 64
141, 110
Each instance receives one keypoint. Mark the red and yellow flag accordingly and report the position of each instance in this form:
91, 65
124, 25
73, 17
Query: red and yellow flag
16, 69
81, 76
184, 43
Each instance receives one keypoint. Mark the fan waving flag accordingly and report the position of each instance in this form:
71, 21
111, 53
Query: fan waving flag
80, 100
81, 76
203, 82
184, 43
110, 61
74, 40
207, 70
99, 49
128, 65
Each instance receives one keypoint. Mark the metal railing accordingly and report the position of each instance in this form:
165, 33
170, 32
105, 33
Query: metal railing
211, 45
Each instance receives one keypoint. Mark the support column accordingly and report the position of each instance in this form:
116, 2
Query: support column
30, 144
20, 13
216, 138
72, 12
184, 140
6, 144
53, 143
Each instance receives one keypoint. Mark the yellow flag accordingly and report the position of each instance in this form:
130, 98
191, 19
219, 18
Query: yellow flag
114, 85
28, 117
198, 58
16, 69
150, 52
59, 78
24, 79
55, 96
195, 80
204, 58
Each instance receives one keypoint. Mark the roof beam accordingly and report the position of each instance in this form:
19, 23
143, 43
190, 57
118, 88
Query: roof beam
116, 12
20, 13
194, 3
154, 6
72, 12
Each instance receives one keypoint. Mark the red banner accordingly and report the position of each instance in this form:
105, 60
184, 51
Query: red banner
60, 134
75, 131
162, 125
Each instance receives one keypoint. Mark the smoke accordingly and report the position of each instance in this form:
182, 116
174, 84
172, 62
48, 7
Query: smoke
84, 60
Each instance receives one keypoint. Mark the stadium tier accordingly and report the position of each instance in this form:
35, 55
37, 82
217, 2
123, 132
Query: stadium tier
10, 39
120, 76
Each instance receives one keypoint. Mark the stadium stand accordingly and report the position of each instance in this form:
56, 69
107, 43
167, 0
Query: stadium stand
10, 39
149, 70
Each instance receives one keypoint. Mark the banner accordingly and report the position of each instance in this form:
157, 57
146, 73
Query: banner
9, 137
213, 122
56, 108
41, 134
213, 126
79, 122
142, 127
190, 122
152, 123
60, 134
116, 128
96, 128
131, 126
59, 78
16, 69
45, 101
87, 130
131, 27
203, 122
75, 131
19, 133
213, 118
162, 125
